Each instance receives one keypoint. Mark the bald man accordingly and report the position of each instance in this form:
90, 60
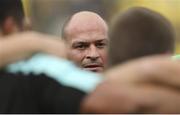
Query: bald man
86, 34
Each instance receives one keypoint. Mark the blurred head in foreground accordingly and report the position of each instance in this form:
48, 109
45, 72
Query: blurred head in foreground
139, 32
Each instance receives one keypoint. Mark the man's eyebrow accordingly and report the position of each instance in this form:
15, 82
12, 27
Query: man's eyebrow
102, 40
79, 43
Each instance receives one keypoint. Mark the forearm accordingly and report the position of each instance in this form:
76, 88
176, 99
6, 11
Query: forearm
15, 48
21, 46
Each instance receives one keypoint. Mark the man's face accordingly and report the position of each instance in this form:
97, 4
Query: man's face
88, 49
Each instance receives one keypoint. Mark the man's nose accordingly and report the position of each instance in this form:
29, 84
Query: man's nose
93, 53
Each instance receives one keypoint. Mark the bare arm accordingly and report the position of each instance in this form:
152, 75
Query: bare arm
147, 85
23, 45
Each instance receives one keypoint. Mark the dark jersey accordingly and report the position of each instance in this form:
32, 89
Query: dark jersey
31, 93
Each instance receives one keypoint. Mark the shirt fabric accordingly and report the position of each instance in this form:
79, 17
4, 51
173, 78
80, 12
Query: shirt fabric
63, 71
36, 94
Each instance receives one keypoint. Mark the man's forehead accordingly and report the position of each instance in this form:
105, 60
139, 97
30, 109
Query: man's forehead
84, 40
87, 30
88, 36
85, 20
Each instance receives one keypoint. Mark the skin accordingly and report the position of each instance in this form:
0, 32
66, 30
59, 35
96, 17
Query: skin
87, 39
22, 45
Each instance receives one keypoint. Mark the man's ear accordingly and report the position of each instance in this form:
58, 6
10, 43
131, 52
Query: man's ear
9, 26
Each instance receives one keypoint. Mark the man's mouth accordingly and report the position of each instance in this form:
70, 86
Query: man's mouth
94, 67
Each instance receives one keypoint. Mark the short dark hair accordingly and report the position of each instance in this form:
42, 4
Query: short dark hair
139, 32
12, 8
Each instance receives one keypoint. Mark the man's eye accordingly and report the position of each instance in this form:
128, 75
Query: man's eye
81, 47
101, 45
